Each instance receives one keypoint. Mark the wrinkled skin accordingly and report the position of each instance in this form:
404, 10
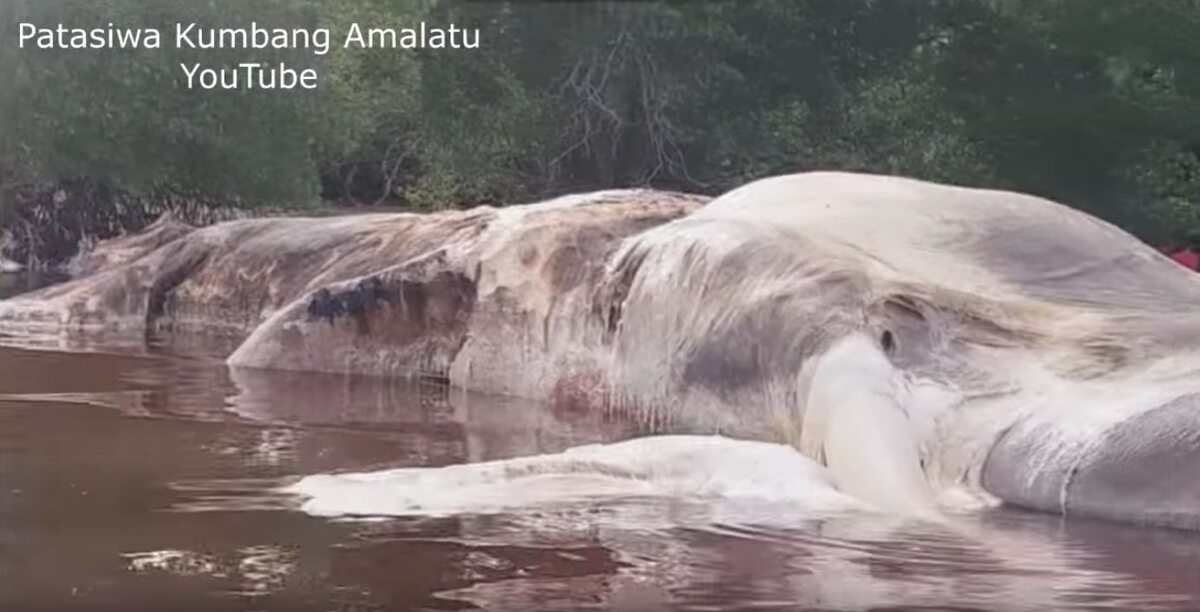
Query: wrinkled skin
914, 338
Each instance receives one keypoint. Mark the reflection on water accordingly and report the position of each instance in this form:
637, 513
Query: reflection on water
144, 479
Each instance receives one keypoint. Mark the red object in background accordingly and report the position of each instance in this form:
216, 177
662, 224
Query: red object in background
1189, 259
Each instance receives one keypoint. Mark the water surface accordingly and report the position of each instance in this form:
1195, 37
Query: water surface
135, 478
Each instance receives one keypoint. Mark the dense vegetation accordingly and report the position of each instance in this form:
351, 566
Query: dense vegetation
1096, 104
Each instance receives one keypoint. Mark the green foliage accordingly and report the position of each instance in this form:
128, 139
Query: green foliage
125, 117
1093, 105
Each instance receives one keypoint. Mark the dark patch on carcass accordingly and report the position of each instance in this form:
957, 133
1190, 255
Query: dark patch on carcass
1084, 263
578, 393
584, 253
770, 340
438, 304
355, 302
567, 267
528, 255
579, 258
433, 314
425, 306
324, 305
585, 258
769, 336
609, 302
1101, 355
887, 342
730, 362
176, 269
412, 319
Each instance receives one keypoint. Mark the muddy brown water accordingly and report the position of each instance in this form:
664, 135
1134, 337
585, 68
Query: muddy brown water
142, 478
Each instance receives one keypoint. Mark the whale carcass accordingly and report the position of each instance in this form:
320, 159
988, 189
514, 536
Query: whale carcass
910, 336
